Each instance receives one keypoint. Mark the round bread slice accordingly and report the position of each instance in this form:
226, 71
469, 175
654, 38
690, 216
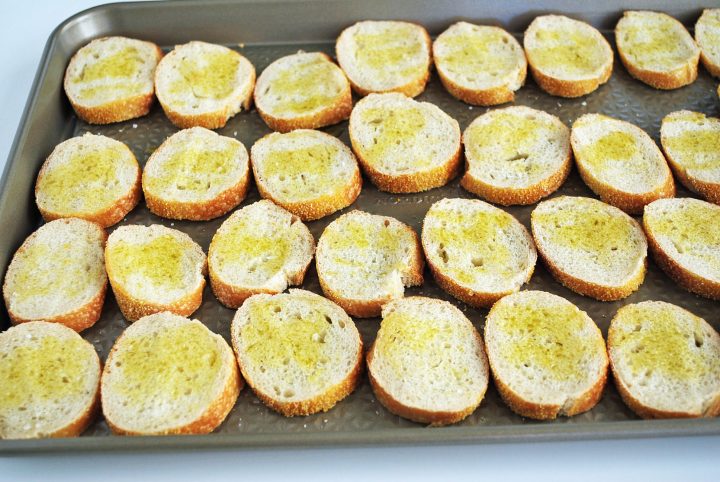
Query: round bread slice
567, 58
196, 174
50, 378
427, 363
260, 248
203, 85
111, 79
516, 155
299, 352
590, 247
365, 260
477, 252
404, 145
167, 374
707, 37
303, 91
385, 56
58, 275
153, 269
620, 162
665, 361
547, 357
307, 172
657, 49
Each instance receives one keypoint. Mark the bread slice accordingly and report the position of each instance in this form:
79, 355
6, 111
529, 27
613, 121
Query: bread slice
196, 174
58, 275
203, 85
365, 260
665, 361
111, 79
657, 49
684, 239
299, 352
260, 248
302, 91
477, 252
404, 145
590, 247
385, 56
167, 374
567, 57
620, 162
50, 378
547, 356
427, 363
153, 269
516, 155
707, 37
307, 172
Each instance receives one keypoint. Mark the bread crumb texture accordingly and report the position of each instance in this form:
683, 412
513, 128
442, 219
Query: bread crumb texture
654, 41
210, 76
692, 141
159, 262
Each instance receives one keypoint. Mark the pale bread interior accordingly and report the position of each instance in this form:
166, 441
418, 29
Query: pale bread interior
692, 141
707, 34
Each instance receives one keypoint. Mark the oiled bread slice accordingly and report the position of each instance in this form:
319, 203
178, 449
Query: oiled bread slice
567, 57
547, 356
153, 269
364, 260
620, 162
428, 363
90, 177
111, 79
167, 374
477, 252
684, 239
299, 352
707, 34
260, 248
657, 49
196, 174
665, 361
385, 56
516, 155
58, 275
302, 91
590, 247
307, 172
50, 378
480, 65
404, 145
203, 84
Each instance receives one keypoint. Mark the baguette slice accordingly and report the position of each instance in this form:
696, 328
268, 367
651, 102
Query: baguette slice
516, 155
707, 37
111, 79
153, 269
480, 65
620, 162
684, 239
427, 363
385, 56
657, 49
50, 378
260, 248
567, 58
547, 356
590, 247
477, 252
307, 172
665, 361
90, 177
196, 174
404, 145
299, 352
364, 261
303, 91
167, 374
203, 85
58, 275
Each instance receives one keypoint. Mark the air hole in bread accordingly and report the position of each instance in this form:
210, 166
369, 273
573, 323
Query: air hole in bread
288, 393
477, 261
698, 339
443, 255
328, 319
277, 309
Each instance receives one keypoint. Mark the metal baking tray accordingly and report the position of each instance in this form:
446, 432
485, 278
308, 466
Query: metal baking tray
264, 31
